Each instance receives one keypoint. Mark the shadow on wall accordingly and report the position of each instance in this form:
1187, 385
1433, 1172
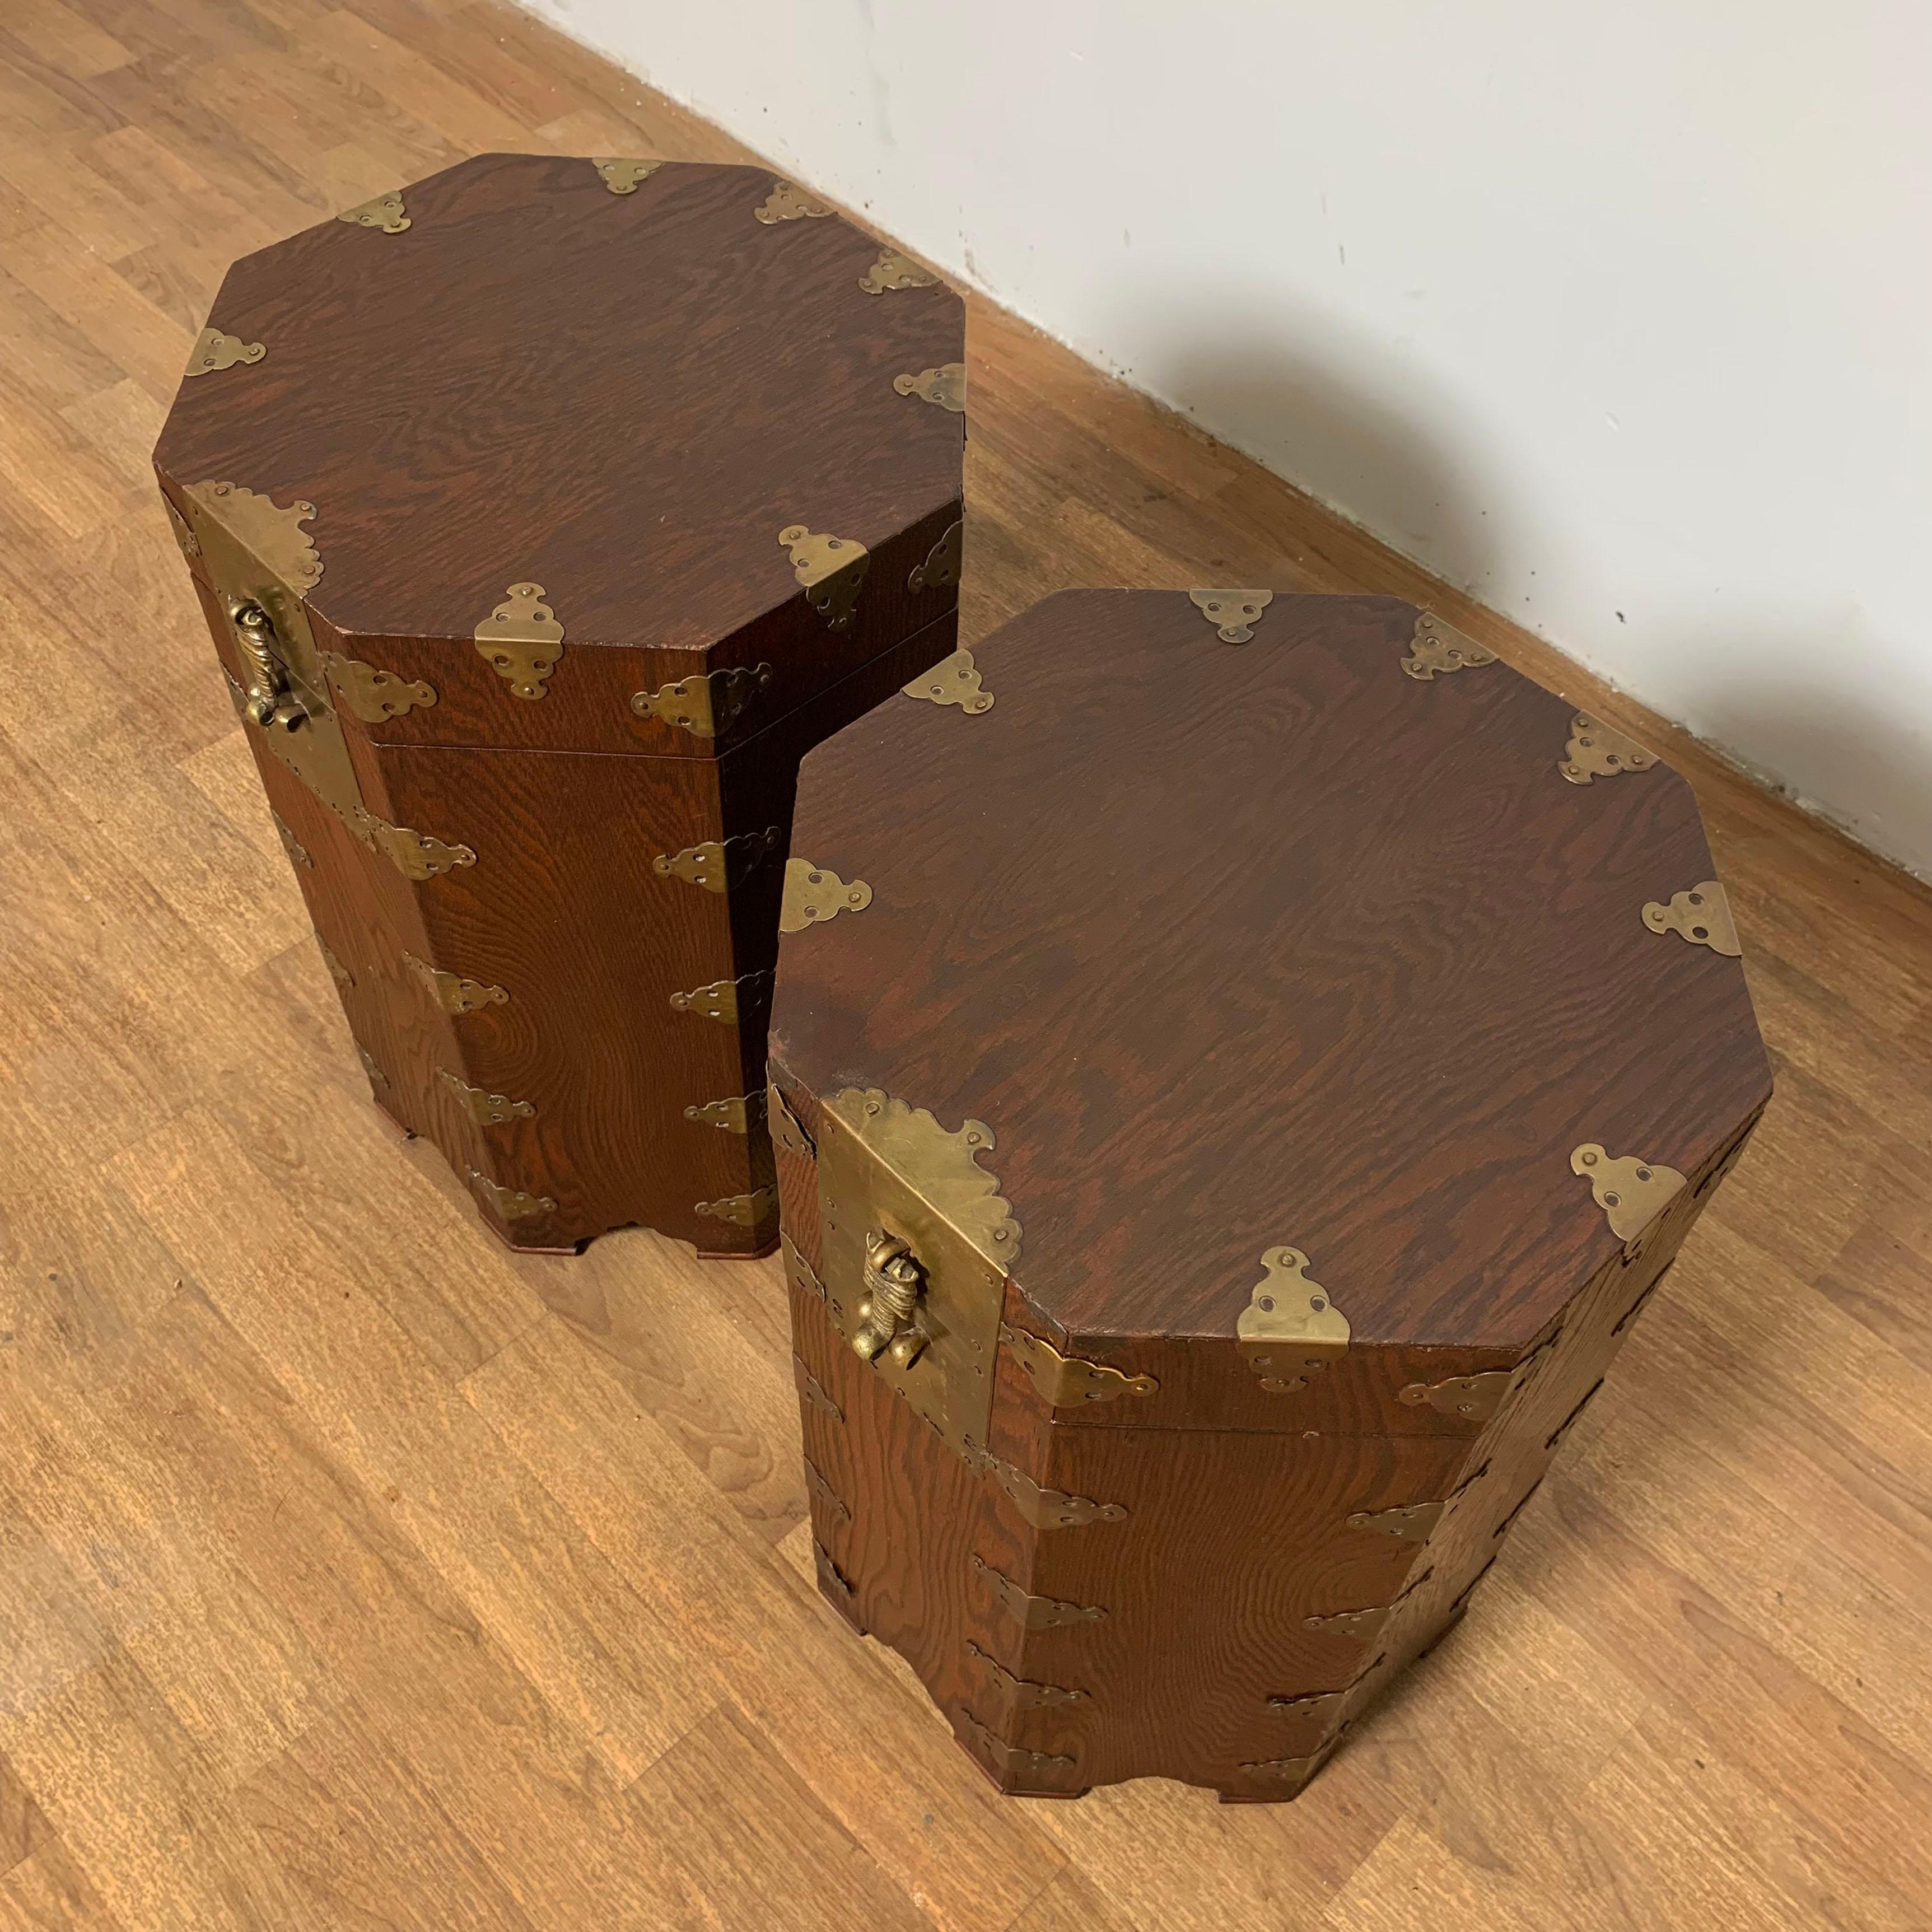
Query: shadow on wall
1374, 444
1392, 455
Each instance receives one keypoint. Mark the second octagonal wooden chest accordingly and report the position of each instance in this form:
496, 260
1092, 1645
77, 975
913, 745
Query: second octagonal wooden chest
543, 512
1241, 1063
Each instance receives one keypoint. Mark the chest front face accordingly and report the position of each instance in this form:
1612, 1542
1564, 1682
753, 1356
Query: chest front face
1277, 1079
543, 513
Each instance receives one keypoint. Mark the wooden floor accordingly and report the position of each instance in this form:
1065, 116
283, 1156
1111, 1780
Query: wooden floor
355, 1573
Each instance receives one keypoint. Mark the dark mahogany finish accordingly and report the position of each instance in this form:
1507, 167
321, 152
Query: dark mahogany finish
623, 398
1235, 946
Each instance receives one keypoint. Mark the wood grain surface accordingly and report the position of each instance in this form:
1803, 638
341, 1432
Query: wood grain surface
1311, 951
491, 399
357, 1572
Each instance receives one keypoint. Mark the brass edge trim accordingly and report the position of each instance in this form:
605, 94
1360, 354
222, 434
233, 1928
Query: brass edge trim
788, 1131
814, 1391
298, 853
1027, 1693
1232, 612
1010, 1757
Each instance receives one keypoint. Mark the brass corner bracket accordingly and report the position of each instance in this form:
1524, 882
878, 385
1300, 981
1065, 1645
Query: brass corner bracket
1632, 1193
945, 385
788, 203
1066, 1381
707, 703
522, 639
953, 680
1290, 1329
1701, 915
213, 350
383, 211
1232, 612
894, 271
1595, 751
621, 175
1440, 647
941, 570
829, 569
813, 896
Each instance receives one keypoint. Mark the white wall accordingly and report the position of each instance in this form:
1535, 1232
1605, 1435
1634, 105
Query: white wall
1617, 316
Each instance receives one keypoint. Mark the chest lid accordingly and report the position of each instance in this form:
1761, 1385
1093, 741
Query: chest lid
1294, 973
606, 454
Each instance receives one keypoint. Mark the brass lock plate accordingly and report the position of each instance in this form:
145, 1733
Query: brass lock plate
887, 1167
257, 554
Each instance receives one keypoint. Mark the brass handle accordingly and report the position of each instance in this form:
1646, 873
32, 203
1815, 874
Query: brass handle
894, 1281
269, 701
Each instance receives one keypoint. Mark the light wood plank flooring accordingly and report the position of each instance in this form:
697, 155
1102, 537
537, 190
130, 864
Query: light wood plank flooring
354, 1574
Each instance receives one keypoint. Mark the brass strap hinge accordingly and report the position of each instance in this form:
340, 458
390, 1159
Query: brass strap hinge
1064, 1380
815, 1481
1025, 1693
707, 704
719, 864
833, 1580
814, 1391
799, 1271
740, 1210
735, 1115
788, 1130
1032, 1612
450, 990
509, 1204
1009, 1759
1412, 1522
1044, 1509
486, 1108
727, 1001
373, 695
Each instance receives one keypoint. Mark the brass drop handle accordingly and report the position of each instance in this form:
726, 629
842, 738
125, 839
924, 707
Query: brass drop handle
269, 701
894, 1282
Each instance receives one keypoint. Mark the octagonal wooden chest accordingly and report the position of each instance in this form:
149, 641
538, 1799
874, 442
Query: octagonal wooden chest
543, 512
1241, 1063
